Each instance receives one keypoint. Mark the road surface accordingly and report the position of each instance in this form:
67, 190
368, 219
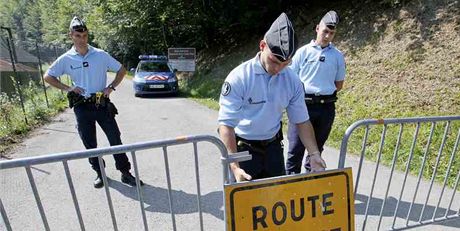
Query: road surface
147, 119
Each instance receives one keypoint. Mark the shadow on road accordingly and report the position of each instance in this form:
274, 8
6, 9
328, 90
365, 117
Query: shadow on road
390, 207
157, 200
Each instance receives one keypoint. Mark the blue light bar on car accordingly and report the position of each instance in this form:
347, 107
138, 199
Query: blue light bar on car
153, 57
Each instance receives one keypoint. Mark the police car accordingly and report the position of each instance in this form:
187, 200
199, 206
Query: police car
154, 75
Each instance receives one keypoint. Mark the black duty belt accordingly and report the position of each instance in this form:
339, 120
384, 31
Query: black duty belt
97, 99
320, 99
262, 143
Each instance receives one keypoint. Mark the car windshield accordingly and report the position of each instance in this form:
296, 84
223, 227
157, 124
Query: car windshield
153, 67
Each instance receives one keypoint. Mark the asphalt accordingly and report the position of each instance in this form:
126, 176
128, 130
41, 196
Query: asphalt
159, 118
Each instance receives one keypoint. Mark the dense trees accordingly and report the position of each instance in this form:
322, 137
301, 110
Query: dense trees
129, 27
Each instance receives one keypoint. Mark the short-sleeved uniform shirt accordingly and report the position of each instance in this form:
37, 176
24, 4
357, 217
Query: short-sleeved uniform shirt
319, 68
88, 72
253, 102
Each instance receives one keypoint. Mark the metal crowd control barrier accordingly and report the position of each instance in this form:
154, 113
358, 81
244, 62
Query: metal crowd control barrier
405, 186
27, 163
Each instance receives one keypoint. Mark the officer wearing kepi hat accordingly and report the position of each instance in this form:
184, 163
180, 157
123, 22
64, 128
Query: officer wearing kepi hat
321, 68
87, 66
253, 98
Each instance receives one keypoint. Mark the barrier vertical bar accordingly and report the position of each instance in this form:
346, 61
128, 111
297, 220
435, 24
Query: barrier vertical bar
427, 149
37, 198
382, 141
5, 217
107, 192
411, 153
74, 195
168, 179
361, 159
198, 187
395, 155
451, 160
453, 193
139, 190
441, 147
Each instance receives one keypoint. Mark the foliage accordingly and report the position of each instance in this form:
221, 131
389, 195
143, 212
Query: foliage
127, 28
12, 124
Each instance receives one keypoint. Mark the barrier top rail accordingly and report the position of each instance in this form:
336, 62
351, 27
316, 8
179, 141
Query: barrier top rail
111, 150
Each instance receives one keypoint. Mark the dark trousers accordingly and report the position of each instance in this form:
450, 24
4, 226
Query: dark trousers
321, 117
267, 159
87, 115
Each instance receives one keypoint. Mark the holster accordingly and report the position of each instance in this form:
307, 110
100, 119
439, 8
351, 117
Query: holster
111, 109
75, 99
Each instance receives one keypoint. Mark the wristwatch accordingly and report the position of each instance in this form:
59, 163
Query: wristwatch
111, 87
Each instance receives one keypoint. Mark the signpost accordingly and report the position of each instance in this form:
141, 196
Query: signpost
319, 201
182, 59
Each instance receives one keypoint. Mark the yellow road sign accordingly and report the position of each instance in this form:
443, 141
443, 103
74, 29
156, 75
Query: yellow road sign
319, 201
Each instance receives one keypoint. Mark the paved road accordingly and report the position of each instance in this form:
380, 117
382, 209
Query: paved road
140, 119
143, 119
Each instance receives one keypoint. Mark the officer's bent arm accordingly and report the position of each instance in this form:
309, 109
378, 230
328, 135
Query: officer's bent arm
53, 81
227, 135
339, 85
307, 136
119, 76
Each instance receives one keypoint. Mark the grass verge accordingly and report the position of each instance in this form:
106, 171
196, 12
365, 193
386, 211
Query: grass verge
12, 119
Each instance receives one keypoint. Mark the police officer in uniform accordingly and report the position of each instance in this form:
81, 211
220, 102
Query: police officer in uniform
87, 66
253, 98
321, 68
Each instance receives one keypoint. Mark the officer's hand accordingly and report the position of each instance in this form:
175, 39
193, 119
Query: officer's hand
317, 163
241, 175
107, 91
77, 90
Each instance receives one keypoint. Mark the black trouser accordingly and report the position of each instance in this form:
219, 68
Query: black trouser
267, 157
321, 117
87, 115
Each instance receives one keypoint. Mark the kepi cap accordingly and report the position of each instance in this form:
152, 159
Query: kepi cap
77, 25
330, 19
280, 38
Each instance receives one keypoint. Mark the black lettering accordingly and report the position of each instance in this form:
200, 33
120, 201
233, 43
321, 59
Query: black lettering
284, 215
327, 203
302, 210
313, 204
336, 229
261, 219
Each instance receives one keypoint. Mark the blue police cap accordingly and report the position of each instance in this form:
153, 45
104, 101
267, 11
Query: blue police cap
77, 25
330, 19
280, 38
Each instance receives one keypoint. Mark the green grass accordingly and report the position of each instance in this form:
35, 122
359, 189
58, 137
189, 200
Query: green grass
37, 112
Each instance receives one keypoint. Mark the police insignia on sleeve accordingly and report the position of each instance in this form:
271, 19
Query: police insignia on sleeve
226, 88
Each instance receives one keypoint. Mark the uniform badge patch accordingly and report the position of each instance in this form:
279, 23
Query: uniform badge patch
226, 88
